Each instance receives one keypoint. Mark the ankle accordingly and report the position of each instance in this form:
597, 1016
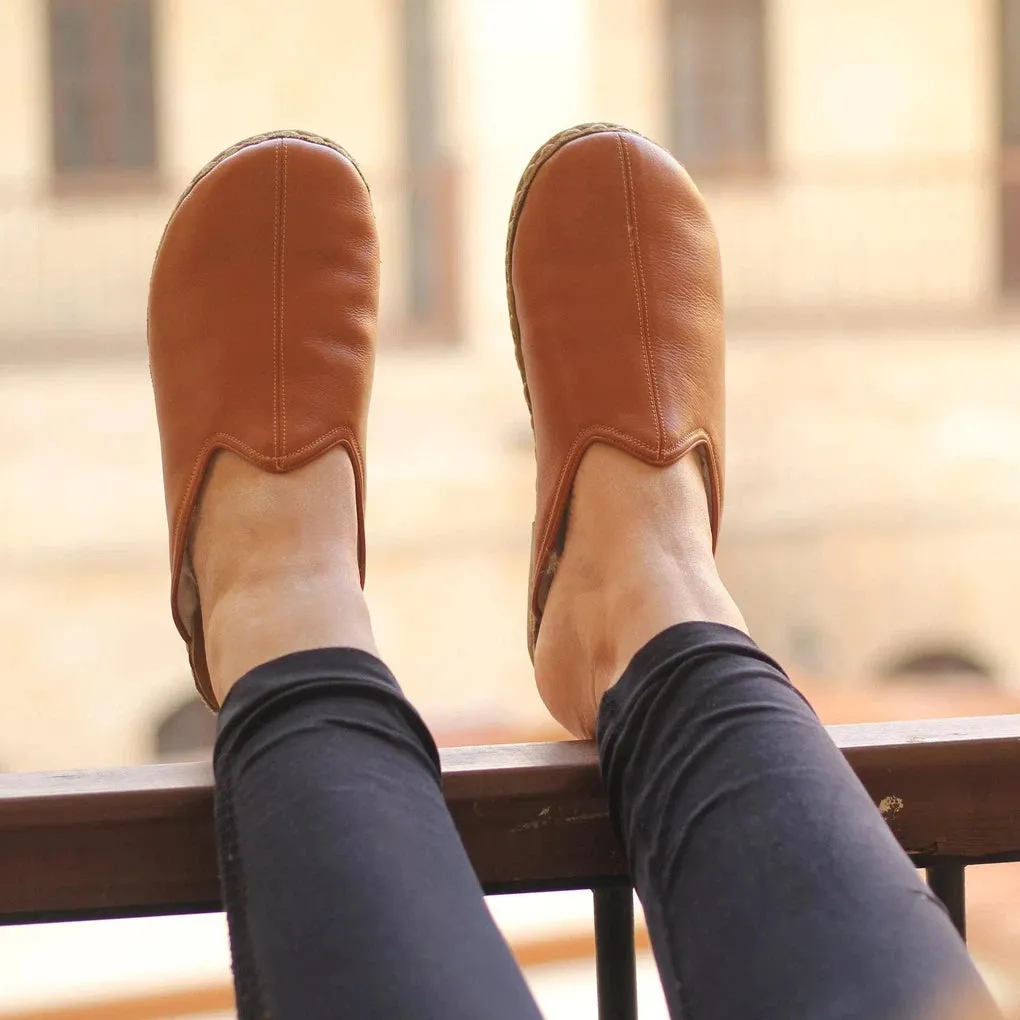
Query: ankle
600, 614
275, 613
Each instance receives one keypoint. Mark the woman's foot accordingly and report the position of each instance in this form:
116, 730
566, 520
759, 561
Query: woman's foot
637, 559
262, 320
275, 558
616, 307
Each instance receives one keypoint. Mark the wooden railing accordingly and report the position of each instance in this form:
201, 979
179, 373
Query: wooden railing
129, 842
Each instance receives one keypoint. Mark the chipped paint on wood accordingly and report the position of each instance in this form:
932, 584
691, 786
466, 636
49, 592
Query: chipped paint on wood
890, 806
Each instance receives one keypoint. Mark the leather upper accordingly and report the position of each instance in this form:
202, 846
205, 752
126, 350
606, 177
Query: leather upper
262, 323
616, 303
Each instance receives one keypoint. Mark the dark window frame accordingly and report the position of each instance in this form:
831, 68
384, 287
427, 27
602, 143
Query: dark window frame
103, 101
432, 299
713, 56
1009, 141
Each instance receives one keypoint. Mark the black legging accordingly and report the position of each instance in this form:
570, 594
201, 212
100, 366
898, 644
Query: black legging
772, 888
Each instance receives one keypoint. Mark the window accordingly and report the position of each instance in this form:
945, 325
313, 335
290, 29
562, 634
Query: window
938, 665
101, 76
1009, 74
432, 264
717, 61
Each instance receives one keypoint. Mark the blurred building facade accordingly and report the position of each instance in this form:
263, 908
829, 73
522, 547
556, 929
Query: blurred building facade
862, 164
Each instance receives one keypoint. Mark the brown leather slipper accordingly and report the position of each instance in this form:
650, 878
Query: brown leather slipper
615, 298
262, 325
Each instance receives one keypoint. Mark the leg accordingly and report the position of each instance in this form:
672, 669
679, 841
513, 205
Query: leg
771, 884
347, 890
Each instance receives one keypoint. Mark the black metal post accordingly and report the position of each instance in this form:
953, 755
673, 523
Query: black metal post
947, 882
615, 962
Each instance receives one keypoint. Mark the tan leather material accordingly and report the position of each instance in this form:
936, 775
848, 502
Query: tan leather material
615, 294
262, 325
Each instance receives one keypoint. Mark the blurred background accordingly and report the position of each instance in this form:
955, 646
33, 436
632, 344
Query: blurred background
862, 164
